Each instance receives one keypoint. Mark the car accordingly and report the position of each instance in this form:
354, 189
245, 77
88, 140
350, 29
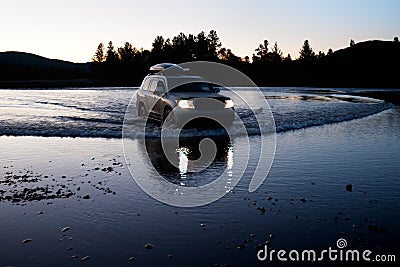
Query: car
170, 93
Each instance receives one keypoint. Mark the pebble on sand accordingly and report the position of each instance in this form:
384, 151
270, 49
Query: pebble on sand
349, 187
65, 229
85, 258
86, 197
262, 209
149, 246
26, 241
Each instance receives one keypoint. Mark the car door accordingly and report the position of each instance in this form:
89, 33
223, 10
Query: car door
160, 104
152, 98
143, 92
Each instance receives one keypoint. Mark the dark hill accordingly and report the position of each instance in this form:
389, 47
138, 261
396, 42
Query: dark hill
366, 64
26, 66
368, 53
28, 59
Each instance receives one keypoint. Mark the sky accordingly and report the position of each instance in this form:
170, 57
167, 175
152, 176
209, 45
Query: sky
72, 29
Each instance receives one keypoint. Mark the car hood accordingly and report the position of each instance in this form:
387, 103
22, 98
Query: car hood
189, 95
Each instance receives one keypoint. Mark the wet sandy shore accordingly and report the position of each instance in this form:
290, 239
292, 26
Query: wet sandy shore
69, 201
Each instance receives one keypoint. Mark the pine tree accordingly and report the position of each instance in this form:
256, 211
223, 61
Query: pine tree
231, 57
288, 58
214, 44
306, 52
276, 54
262, 51
222, 53
157, 47
320, 55
201, 47
182, 47
127, 53
99, 54
111, 55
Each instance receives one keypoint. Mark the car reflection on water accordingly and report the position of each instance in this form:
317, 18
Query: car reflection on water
187, 160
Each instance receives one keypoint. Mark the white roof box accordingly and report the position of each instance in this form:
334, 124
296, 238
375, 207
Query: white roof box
163, 66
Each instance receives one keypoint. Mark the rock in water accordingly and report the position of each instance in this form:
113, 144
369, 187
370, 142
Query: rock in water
149, 246
240, 246
349, 187
85, 258
65, 229
26, 241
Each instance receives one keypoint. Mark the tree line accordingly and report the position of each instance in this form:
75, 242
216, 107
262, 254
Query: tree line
184, 48
267, 66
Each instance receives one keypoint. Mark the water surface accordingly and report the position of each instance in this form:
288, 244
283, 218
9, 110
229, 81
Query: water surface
313, 164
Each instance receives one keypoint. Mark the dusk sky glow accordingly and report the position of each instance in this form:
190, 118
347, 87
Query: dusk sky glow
71, 30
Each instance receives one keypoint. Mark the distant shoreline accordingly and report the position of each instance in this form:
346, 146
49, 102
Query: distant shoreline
392, 96
388, 96
76, 83
72, 83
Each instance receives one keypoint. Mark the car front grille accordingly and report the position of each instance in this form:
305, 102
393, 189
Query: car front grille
207, 104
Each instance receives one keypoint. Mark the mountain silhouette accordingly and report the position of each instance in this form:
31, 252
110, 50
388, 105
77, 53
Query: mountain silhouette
28, 59
365, 64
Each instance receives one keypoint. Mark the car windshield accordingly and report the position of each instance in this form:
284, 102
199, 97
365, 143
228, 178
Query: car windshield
195, 87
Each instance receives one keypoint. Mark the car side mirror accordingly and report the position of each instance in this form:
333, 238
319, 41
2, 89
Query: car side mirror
159, 90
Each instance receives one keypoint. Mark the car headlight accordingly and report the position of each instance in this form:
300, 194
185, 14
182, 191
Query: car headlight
229, 103
185, 104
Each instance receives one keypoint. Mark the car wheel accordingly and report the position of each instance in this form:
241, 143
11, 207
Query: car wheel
142, 111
